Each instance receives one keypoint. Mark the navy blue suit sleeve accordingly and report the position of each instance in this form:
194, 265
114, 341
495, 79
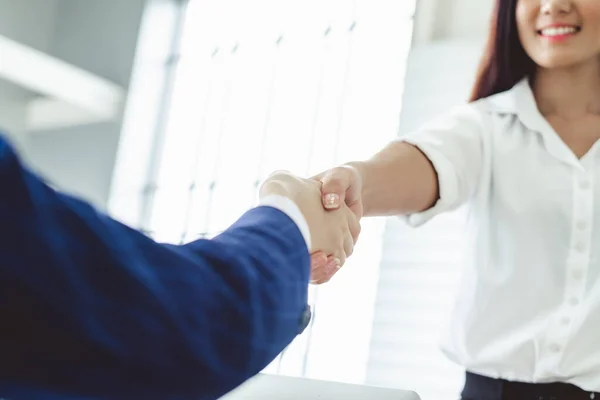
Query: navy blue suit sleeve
92, 309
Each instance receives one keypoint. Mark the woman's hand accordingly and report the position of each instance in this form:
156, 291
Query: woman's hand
339, 185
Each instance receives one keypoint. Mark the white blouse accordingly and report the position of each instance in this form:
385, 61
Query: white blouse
528, 307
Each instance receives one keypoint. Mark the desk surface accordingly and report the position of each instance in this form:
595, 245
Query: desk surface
273, 387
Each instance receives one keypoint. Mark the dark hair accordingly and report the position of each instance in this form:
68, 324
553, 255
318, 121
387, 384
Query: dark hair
504, 61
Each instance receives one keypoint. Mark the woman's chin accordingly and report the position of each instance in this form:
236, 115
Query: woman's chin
564, 60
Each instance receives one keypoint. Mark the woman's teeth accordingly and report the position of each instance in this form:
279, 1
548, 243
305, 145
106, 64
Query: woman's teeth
558, 31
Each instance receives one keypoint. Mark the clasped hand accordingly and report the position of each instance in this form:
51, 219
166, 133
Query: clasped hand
331, 205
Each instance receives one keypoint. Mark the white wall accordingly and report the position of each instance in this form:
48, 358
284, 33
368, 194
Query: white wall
12, 115
97, 35
451, 19
30, 22
465, 19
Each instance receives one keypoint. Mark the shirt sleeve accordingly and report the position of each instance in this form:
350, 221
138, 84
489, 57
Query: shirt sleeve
289, 208
453, 143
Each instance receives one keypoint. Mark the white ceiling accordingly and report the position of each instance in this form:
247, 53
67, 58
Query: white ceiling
53, 93
12, 92
31, 22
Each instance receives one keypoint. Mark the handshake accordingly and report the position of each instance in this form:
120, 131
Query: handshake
331, 204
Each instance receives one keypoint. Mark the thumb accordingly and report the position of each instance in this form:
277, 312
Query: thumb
333, 190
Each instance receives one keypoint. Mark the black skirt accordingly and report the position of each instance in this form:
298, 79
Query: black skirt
479, 387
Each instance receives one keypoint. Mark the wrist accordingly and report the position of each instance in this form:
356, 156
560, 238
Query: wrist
292, 210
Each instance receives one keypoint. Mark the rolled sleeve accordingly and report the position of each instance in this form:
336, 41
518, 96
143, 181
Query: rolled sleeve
453, 143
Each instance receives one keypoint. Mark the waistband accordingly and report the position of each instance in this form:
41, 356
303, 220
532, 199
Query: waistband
478, 387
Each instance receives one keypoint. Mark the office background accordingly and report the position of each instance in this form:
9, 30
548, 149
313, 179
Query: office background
166, 113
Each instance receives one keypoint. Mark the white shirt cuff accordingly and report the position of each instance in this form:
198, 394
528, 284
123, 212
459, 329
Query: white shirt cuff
290, 208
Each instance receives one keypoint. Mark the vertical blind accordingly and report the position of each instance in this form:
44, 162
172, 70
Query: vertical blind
226, 91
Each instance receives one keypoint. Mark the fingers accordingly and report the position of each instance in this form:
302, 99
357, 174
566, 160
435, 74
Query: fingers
341, 254
318, 260
322, 267
335, 183
324, 273
341, 185
342, 240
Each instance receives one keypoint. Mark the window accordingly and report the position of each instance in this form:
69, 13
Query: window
226, 91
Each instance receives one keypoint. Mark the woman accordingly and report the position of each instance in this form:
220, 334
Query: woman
523, 156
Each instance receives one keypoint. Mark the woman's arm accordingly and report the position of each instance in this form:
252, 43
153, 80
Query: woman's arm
399, 179
432, 170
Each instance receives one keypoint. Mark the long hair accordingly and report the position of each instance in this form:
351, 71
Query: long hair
504, 61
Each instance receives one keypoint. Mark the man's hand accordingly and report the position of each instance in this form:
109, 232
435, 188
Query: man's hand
333, 232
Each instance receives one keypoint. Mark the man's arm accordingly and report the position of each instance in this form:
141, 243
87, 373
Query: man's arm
92, 309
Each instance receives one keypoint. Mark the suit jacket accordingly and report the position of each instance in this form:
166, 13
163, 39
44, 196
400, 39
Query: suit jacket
91, 309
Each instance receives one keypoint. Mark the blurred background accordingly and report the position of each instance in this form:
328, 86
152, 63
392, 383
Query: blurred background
168, 113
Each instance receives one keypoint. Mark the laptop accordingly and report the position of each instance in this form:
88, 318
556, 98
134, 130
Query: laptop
276, 387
